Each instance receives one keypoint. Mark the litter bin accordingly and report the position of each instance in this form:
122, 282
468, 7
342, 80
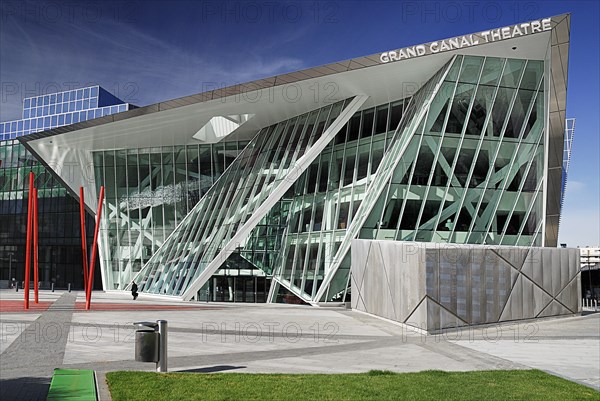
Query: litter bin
151, 343
147, 341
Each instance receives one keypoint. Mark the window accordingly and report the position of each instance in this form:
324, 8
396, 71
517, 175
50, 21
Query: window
381, 123
367, 125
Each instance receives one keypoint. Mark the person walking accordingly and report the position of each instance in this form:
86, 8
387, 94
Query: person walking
134, 289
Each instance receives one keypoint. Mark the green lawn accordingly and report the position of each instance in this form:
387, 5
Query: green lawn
375, 385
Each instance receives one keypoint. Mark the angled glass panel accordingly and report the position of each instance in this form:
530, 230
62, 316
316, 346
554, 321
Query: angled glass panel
233, 201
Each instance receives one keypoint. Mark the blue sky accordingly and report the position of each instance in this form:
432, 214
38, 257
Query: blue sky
150, 51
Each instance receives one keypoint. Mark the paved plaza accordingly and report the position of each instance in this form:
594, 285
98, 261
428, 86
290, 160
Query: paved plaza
265, 338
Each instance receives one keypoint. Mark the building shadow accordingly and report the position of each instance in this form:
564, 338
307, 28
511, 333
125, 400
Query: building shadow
212, 369
24, 388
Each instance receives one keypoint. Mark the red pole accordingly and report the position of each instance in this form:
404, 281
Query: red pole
35, 247
88, 298
28, 246
83, 239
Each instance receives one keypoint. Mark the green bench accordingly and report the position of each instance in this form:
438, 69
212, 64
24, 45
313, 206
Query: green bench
72, 385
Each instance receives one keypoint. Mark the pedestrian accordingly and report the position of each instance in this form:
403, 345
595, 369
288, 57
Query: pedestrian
134, 289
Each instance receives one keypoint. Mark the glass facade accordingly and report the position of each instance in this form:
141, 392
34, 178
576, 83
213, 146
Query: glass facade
268, 162
460, 161
57, 109
465, 166
148, 193
59, 223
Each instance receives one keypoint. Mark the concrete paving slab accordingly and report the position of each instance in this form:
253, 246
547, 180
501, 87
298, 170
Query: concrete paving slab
282, 339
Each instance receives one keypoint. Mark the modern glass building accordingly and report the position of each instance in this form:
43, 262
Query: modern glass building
59, 229
255, 192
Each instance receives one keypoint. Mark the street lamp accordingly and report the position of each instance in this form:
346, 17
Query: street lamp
589, 267
10, 255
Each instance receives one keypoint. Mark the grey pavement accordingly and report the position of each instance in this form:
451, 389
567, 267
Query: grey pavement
280, 338
27, 363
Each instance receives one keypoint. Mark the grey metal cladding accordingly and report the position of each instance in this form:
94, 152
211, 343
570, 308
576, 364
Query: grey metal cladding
477, 284
558, 99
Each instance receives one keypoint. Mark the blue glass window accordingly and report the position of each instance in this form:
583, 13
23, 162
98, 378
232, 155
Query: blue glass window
26, 125
98, 113
45, 111
54, 121
33, 102
46, 122
59, 98
95, 91
53, 98
79, 94
27, 103
61, 119
34, 123
12, 136
114, 109
122, 107
59, 108
53, 109
82, 116
26, 113
46, 100
75, 117
13, 126
93, 103
40, 122
1, 128
71, 106
67, 118
79, 105
86, 92
20, 125
90, 114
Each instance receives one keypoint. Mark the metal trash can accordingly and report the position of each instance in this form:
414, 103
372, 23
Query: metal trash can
146, 341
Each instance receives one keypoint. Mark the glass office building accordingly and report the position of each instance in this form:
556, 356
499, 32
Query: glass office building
255, 192
59, 228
